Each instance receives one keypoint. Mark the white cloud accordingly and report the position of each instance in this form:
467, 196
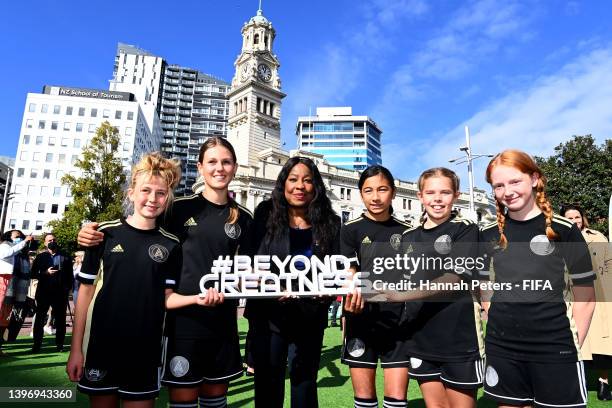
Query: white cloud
573, 101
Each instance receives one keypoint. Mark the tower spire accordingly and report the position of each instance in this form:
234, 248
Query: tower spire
259, 10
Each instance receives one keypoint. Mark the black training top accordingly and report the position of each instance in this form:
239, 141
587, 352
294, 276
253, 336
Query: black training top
535, 323
362, 240
205, 234
131, 269
449, 328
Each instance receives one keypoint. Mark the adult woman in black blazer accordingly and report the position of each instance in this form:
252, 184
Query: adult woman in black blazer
297, 220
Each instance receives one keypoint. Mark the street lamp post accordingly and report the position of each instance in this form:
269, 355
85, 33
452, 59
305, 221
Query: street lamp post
4, 199
469, 158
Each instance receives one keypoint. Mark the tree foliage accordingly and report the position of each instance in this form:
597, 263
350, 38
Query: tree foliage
580, 172
97, 194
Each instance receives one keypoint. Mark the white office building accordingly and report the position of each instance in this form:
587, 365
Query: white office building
57, 124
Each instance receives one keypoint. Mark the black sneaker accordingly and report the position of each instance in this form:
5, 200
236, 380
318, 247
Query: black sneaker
603, 391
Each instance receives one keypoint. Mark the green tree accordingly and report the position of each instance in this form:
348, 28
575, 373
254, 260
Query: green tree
580, 172
98, 193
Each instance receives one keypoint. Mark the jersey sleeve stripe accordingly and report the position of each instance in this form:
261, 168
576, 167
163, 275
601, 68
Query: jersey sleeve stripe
489, 226
353, 220
582, 275
87, 276
246, 210
401, 222
169, 235
108, 224
191, 197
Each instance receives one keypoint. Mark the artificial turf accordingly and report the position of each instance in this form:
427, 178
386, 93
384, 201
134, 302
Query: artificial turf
47, 369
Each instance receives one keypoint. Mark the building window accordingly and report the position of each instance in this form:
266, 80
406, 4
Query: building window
67, 125
49, 157
79, 127
81, 111
76, 143
24, 155
56, 109
44, 108
94, 112
41, 208
128, 131
404, 205
68, 192
13, 223
33, 173
25, 225
92, 128
20, 172
29, 207
118, 114
74, 159
46, 173
342, 193
57, 191
39, 225
54, 208
39, 140
68, 110
36, 156
130, 115
41, 124
32, 107
44, 191
53, 125
26, 139
105, 113
62, 158
51, 141
29, 123
65, 141
348, 194
59, 174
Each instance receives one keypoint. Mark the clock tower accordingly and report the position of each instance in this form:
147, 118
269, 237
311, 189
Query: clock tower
255, 96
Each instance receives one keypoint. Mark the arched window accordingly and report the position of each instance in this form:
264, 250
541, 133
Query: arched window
266, 40
256, 39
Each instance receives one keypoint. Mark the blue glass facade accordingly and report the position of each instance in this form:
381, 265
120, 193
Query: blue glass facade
351, 144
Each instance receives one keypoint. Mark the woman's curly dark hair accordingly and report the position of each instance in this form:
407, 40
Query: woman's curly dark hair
321, 216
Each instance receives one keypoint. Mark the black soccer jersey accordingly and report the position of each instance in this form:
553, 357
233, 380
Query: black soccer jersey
447, 329
205, 234
131, 269
530, 318
362, 240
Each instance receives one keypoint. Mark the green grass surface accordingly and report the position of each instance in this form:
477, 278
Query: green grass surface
46, 369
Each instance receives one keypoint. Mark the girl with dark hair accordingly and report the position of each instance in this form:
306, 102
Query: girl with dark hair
297, 220
375, 332
445, 346
534, 336
202, 351
598, 342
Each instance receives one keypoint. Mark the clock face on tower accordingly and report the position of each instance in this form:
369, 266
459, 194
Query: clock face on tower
264, 72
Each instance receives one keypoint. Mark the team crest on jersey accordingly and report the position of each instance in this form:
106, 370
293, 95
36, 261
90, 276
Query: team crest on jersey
491, 377
232, 230
415, 362
395, 241
443, 244
540, 245
179, 366
94, 374
355, 348
158, 253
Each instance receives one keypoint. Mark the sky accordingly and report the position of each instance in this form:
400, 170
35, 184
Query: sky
520, 74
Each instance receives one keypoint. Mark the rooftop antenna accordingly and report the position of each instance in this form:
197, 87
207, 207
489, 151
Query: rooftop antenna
259, 11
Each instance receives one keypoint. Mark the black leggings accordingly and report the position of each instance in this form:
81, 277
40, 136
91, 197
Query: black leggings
300, 350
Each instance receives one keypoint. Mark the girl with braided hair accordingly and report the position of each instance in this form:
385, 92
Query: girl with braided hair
538, 318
